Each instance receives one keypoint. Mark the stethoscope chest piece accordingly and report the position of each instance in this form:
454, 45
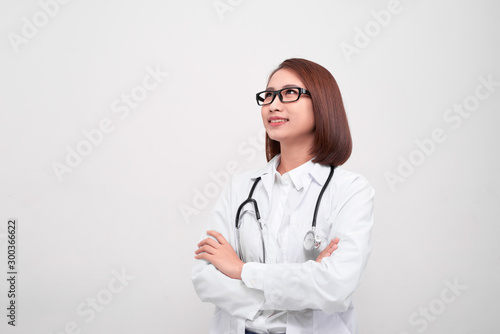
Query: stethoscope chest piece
311, 240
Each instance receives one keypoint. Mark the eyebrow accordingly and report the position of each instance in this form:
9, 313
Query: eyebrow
285, 86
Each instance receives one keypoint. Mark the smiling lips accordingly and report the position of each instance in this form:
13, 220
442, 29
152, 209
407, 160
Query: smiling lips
276, 121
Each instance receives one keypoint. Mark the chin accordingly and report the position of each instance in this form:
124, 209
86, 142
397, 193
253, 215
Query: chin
275, 137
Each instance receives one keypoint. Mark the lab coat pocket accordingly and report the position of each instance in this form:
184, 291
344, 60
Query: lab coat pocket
250, 237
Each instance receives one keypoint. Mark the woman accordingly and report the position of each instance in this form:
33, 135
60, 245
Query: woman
290, 277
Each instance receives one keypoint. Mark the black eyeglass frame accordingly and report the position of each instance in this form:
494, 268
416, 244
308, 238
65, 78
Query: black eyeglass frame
278, 92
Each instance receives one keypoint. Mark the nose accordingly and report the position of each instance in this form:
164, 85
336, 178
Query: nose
276, 105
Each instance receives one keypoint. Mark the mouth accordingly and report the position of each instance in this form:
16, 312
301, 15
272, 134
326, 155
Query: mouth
275, 121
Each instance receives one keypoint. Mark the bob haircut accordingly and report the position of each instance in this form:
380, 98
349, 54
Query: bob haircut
332, 137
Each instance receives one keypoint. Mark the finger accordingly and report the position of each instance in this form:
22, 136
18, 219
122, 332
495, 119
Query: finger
330, 246
331, 249
324, 253
220, 238
204, 256
210, 242
205, 249
334, 242
203, 242
327, 251
322, 256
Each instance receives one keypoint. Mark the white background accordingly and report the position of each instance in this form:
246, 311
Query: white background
120, 207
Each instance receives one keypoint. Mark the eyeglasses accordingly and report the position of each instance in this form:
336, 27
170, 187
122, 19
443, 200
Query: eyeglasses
290, 94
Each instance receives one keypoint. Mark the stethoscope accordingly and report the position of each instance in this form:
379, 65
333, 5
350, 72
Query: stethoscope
311, 239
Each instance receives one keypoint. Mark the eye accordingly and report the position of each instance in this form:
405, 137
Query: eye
291, 91
268, 94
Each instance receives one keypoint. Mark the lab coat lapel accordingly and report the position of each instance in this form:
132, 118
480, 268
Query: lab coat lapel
266, 175
318, 174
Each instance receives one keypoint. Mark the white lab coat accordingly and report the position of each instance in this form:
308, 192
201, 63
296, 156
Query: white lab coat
317, 296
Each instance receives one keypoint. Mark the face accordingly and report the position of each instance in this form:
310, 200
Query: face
292, 122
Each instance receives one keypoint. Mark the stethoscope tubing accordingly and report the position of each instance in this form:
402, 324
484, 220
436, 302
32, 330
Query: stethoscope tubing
257, 214
249, 200
321, 195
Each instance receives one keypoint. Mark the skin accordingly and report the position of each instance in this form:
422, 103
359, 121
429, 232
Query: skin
296, 138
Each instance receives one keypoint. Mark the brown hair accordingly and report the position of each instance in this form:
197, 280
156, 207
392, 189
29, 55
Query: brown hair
332, 137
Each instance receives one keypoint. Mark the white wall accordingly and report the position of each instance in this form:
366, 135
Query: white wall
118, 209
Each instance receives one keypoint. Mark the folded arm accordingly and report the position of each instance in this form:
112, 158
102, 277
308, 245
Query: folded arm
327, 285
211, 285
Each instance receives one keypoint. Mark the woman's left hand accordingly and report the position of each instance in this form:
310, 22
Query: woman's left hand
220, 254
332, 246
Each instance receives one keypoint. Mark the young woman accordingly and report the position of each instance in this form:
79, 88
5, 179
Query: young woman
286, 245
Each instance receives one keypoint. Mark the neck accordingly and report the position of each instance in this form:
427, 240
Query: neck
293, 158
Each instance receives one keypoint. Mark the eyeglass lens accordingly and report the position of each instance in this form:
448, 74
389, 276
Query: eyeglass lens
286, 95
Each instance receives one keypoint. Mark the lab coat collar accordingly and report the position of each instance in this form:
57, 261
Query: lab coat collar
299, 175
266, 169
266, 175
318, 173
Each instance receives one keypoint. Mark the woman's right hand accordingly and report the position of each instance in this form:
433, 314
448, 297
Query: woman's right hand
328, 250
